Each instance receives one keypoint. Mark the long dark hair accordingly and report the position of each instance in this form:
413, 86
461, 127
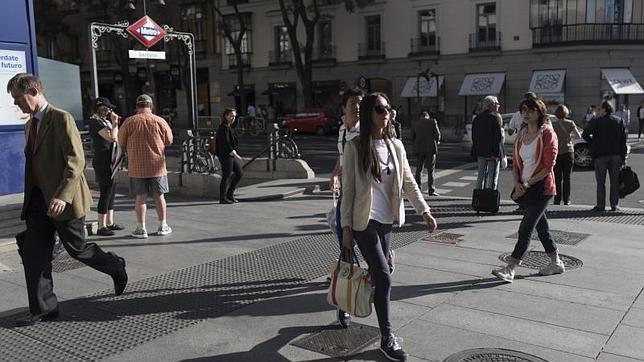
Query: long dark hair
367, 150
535, 104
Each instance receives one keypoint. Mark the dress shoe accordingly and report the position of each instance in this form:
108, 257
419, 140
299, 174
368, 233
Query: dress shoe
226, 201
232, 198
120, 278
115, 227
566, 203
344, 318
33, 319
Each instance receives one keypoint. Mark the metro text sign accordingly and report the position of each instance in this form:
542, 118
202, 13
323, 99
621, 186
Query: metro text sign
146, 31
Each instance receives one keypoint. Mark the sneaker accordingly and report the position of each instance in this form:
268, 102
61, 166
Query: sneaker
344, 318
104, 231
164, 230
553, 268
391, 260
140, 233
505, 274
392, 349
115, 227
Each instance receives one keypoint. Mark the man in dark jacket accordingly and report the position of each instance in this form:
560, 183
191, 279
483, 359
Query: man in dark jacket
608, 146
486, 143
426, 137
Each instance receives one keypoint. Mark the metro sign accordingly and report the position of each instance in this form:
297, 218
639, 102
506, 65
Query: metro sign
146, 31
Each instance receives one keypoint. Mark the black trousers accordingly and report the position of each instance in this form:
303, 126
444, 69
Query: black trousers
35, 248
106, 200
429, 160
231, 173
640, 127
563, 170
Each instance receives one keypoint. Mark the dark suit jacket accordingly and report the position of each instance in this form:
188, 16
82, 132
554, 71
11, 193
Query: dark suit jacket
426, 135
58, 163
225, 140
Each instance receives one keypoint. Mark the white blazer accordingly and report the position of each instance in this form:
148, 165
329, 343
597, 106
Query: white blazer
357, 193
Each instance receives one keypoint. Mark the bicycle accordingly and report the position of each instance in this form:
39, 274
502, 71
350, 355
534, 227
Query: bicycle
199, 156
283, 145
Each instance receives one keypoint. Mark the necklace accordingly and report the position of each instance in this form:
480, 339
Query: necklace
387, 169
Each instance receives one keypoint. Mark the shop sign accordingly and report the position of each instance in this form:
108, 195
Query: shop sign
146, 31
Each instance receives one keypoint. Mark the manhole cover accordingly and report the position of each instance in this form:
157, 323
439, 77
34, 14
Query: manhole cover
340, 342
539, 259
65, 263
444, 238
492, 355
561, 237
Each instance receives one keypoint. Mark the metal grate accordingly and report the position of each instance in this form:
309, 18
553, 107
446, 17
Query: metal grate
100, 325
339, 342
492, 355
539, 259
444, 238
561, 237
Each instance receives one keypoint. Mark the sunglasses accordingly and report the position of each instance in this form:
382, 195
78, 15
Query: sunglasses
380, 109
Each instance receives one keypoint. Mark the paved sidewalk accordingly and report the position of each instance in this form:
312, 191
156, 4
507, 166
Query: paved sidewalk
243, 282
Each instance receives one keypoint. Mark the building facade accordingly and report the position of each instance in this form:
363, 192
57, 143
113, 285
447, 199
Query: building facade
576, 52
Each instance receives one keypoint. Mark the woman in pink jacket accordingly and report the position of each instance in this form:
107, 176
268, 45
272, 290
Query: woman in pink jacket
535, 152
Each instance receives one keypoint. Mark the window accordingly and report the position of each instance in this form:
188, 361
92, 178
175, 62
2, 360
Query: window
235, 28
609, 11
486, 22
192, 20
325, 39
427, 27
282, 43
373, 32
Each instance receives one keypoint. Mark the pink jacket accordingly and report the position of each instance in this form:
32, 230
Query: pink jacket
547, 148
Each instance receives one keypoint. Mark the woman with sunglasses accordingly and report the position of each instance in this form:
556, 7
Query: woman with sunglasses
374, 176
535, 152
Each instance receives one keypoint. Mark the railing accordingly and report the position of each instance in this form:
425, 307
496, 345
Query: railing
423, 46
324, 53
245, 58
578, 34
488, 43
279, 57
371, 51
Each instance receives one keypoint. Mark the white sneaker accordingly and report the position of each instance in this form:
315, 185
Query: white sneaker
140, 233
553, 268
505, 274
164, 230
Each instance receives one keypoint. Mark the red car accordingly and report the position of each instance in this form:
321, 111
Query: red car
318, 121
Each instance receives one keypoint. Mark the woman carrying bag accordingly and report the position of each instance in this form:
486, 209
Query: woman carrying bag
374, 176
226, 150
535, 151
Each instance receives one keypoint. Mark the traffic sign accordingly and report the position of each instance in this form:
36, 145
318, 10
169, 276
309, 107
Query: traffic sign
146, 31
146, 54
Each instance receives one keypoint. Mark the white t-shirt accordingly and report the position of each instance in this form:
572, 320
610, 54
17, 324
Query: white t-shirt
516, 121
381, 191
528, 153
347, 135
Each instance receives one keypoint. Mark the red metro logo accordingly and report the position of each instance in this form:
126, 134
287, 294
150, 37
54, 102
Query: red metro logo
146, 31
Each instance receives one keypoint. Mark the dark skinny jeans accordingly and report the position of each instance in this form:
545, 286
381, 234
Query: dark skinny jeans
534, 217
563, 170
231, 173
374, 246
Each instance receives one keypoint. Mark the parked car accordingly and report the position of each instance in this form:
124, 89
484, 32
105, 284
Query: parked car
316, 120
583, 156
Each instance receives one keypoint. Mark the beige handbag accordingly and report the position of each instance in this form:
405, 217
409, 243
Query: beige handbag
350, 288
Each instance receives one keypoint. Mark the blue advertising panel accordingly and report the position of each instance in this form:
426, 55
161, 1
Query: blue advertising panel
17, 55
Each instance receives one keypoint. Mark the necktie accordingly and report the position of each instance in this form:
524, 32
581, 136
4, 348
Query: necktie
33, 134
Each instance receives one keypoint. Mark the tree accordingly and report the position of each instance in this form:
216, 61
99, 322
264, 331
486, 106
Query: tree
235, 34
309, 12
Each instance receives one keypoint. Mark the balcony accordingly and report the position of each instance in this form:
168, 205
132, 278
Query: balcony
479, 43
232, 60
324, 55
581, 34
368, 51
280, 58
425, 47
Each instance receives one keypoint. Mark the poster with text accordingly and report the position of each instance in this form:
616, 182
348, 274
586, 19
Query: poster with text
11, 63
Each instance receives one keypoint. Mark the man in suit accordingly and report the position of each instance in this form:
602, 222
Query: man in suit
426, 137
56, 199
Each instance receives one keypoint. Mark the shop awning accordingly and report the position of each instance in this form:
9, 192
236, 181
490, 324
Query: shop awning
622, 81
548, 81
482, 84
426, 89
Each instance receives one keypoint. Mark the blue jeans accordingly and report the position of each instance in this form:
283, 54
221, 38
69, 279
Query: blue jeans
374, 246
488, 172
611, 164
534, 217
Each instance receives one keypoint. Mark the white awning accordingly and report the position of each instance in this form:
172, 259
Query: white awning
548, 81
427, 88
482, 84
622, 81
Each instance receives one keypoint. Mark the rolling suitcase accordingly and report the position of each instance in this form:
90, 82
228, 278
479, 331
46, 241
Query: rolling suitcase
486, 200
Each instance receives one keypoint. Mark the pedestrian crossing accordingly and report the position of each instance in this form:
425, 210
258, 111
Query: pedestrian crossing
448, 187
